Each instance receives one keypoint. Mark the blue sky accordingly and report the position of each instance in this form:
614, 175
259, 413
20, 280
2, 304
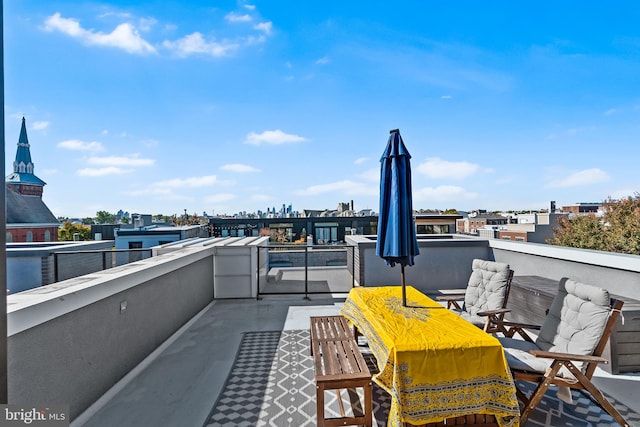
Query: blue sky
222, 106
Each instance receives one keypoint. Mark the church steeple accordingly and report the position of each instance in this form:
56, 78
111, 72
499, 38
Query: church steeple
23, 163
23, 167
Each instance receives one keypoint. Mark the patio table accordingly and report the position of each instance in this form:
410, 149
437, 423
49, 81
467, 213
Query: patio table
434, 364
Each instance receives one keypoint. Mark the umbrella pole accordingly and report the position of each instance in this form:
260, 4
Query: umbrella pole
404, 287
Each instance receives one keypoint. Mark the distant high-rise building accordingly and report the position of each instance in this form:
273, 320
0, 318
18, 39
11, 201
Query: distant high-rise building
28, 218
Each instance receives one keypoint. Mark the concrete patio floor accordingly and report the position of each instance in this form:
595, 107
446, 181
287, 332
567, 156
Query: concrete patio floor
178, 384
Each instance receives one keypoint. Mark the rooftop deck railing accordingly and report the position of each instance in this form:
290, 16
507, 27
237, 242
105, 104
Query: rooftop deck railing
305, 269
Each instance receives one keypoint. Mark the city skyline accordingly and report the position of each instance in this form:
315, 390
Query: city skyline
156, 107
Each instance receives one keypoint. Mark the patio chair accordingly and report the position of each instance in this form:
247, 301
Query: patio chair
485, 299
568, 347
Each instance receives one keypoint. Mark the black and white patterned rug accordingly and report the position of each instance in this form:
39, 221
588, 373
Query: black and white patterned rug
272, 384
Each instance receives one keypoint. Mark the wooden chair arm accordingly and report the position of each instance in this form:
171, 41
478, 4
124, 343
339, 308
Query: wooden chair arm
493, 312
452, 297
568, 356
518, 325
509, 329
452, 300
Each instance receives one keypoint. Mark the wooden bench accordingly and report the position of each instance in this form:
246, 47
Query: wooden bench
339, 365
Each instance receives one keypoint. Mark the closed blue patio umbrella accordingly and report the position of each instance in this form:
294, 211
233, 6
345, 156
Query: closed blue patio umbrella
397, 242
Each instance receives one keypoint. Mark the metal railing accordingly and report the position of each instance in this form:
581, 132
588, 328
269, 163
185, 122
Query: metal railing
70, 264
305, 269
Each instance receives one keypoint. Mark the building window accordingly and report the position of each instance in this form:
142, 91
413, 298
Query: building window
432, 229
9, 237
281, 232
326, 232
47, 236
135, 245
519, 239
29, 236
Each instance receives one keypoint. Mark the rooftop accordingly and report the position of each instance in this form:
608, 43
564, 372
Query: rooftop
179, 384
153, 342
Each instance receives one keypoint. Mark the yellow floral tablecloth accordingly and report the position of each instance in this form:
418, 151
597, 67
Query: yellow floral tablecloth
434, 364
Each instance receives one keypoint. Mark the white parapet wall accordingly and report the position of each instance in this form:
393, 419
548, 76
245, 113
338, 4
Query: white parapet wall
69, 342
618, 273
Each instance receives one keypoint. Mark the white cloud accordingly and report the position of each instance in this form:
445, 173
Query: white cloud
158, 193
623, 193
150, 143
120, 15
261, 198
219, 198
234, 17
39, 125
346, 187
610, 112
576, 131
133, 160
237, 167
109, 170
77, 145
196, 44
273, 137
250, 6
446, 97
583, 177
264, 27
442, 193
436, 167
371, 175
324, 60
147, 23
191, 182
360, 160
125, 36
173, 189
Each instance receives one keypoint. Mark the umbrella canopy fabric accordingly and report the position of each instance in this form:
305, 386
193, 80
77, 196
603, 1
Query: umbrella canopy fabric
397, 242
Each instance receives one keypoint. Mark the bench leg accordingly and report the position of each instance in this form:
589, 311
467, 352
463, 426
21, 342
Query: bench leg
320, 405
368, 404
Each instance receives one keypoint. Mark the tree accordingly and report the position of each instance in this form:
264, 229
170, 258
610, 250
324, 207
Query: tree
585, 232
451, 212
104, 217
622, 220
68, 231
617, 231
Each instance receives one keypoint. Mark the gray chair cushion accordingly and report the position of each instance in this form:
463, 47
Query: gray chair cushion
487, 286
576, 319
519, 358
479, 321
574, 324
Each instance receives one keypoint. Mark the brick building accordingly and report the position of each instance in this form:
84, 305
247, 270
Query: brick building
582, 208
28, 218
